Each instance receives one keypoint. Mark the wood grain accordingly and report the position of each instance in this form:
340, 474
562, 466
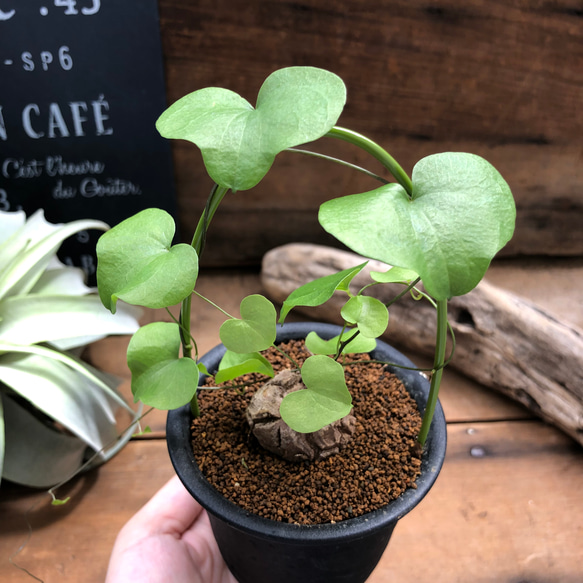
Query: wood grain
73, 542
501, 79
500, 511
507, 512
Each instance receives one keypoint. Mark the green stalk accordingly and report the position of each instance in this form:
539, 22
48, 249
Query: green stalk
212, 204
194, 409
338, 161
198, 240
438, 364
377, 152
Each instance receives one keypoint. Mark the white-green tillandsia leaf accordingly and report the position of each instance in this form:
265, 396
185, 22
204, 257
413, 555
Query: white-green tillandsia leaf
2, 439
61, 280
37, 455
460, 214
82, 368
27, 252
16, 234
11, 222
66, 321
63, 394
239, 142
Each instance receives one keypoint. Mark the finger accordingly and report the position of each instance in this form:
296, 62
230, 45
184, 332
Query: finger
172, 510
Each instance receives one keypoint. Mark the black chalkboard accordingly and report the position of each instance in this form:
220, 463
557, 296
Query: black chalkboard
81, 86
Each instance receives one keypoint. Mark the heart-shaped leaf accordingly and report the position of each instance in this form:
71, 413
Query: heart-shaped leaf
369, 314
324, 400
317, 345
460, 215
238, 142
167, 385
255, 330
319, 291
160, 378
138, 264
234, 365
394, 275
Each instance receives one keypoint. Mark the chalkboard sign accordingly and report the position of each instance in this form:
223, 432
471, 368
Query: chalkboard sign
81, 86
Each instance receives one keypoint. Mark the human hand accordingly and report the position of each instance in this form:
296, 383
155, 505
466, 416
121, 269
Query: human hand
168, 540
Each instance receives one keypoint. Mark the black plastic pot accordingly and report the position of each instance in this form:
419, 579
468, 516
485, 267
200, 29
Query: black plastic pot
258, 550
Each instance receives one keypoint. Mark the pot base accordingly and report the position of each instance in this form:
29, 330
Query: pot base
258, 550
270, 561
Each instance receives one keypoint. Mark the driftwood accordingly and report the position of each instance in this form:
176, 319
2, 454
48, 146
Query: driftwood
502, 341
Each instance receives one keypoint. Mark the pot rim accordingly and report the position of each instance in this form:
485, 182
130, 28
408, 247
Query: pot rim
182, 457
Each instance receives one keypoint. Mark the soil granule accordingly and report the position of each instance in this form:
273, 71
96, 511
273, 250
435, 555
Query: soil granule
378, 465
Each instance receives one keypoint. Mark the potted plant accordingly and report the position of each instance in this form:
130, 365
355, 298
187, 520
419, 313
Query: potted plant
54, 407
439, 228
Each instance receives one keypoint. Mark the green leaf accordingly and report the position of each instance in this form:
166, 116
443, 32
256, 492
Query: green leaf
160, 378
317, 345
151, 344
319, 291
255, 330
238, 142
460, 215
369, 314
324, 400
234, 365
138, 264
143, 431
394, 275
167, 385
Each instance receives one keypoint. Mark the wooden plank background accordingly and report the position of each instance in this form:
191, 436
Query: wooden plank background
499, 78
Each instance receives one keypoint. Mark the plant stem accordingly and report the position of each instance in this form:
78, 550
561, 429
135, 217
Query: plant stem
214, 305
377, 152
338, 161
284, 353
198, 240
438, 364
404, 292
194, 409
212, 204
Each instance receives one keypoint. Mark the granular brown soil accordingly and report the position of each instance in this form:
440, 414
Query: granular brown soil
380, 462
